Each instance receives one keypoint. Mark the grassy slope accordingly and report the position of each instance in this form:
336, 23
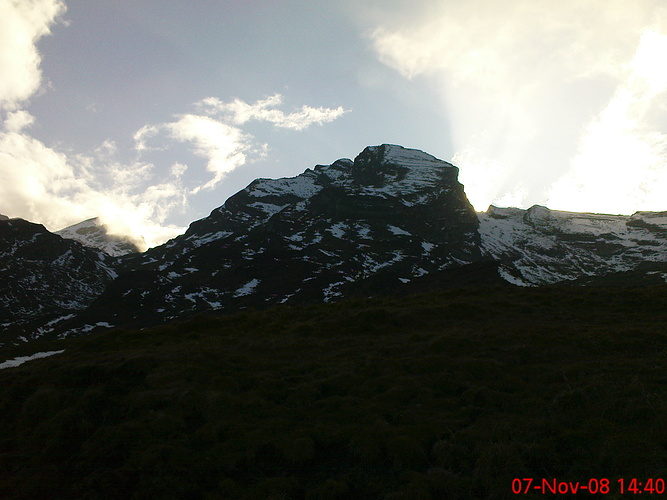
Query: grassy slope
445, 395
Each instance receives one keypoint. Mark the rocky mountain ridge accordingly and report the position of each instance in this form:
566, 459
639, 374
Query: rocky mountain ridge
392, 218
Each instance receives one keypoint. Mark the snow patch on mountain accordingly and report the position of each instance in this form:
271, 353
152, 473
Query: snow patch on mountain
546, 246
416, 173
397, 230
247, 289
12, 363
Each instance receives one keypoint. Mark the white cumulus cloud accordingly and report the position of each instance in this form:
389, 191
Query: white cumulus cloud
239, 112
22, 23
18, 120
216, 134
131, 196
40, 184
222, 145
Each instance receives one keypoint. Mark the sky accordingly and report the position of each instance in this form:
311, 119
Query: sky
150, 115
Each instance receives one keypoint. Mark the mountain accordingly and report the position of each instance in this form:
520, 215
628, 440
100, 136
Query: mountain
389, 216
391, 221
45, 278
3, 217
92, 233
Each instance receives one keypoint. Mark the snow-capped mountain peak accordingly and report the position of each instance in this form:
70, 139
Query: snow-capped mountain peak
93, 233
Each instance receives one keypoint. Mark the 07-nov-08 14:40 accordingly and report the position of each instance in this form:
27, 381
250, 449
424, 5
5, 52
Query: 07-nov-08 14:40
594, 486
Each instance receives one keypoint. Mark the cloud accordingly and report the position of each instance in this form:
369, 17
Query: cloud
216, 136
622, 159
22, 24
525, 82
131, 196
41, 184
222, 145
239, 112
18, 120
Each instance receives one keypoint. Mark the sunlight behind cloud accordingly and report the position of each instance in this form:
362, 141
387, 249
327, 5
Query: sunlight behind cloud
43, 185
542, 89
621, 165
648, 62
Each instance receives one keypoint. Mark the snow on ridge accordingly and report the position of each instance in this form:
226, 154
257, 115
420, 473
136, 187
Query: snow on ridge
302, 185
338, 229
91, 233
427, 246
652, 218
424, 172
269, 209
410, 157
558, 245
198, 241
364, 231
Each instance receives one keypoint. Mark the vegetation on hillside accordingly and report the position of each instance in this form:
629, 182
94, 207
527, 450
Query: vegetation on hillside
449, 394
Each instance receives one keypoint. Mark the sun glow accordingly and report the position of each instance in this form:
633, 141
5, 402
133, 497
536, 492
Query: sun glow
648, 62
621, 163
562, 106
